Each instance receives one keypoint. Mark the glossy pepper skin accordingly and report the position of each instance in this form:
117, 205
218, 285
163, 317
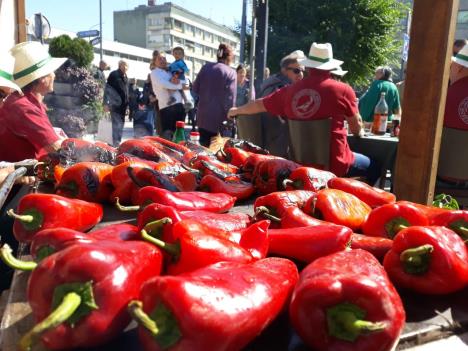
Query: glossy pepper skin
374, 197
345, 301
197, 162
115, 274
77, 150
239, 189
89, 181
269, 175
180, 148
41, 211
307, 178
387, 220
235, 302
195, 246
339, 207
429, 260
308, 243
245, 145
294, 217
186, 201
144, 149
455, 220
234, 156
375, 245
252, 162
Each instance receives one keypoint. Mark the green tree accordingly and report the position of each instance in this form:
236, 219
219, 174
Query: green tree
77, 49
363, 32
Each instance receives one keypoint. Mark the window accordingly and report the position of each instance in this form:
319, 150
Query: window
198, 32
190, 46
462, 17
167, 40
209, 37
188, 28
198, 49
178, 25
167, 23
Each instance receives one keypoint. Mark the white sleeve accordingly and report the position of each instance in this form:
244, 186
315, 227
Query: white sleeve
158, 78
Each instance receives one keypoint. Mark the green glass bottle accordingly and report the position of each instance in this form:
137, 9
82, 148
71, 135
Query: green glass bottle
179, 134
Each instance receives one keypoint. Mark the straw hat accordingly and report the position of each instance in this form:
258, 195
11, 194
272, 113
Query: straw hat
462, 57
338, 72
321, 57
32, 61
7, 63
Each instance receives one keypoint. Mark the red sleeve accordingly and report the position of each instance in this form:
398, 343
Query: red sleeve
30, 122
275, 103
349, 102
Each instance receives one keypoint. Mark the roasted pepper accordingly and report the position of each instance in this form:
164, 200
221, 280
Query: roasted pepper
180, 148
374, 197
77, 150
307, 178
294, 217
89, 181
269, 175
234, 155
455, 220
387, 220
197, 163
429, 260
41, 211
309, 243
338, 207
244, 145
377, 246
239, 189
235, 302
345, 301
252, 162
144, 149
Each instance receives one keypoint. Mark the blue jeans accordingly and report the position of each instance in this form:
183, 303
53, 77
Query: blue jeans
117, 128
365, 166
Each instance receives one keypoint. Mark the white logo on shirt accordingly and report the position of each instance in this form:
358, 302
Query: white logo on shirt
306, 103
463, 110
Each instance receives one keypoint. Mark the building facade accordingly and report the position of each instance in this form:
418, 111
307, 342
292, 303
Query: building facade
163, 27
462, 20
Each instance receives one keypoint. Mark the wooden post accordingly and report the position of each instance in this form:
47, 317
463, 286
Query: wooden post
431, 40
20, 21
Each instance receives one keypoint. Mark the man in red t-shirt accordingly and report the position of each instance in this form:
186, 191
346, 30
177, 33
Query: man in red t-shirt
25, 129
318, 96
456, 106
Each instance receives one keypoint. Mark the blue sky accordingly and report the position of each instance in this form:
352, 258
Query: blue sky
78, 15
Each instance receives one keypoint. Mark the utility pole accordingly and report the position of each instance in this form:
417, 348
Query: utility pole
252, 48
100, 29
262, 42
243, 29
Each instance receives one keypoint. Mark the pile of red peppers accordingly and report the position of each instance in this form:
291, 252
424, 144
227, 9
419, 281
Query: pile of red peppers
197, 275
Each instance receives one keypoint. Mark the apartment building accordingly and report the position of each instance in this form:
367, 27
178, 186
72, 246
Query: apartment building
165, 26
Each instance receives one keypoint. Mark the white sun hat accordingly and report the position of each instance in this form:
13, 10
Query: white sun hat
7, 63
321, 57
32, 61
462, 57
338, 72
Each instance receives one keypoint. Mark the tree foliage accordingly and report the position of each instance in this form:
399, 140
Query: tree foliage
77, 49
363, 32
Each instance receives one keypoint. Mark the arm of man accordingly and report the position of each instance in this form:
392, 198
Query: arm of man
251, 108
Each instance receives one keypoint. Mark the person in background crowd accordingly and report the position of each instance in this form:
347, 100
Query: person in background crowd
338, 74
143, 121
318, 96
119, 82
216, 88
275, 130
266, 73
99, 74
133, 96
243, 86
458, 45
401, 88
456, 105
25, 129
382, 83
163, 82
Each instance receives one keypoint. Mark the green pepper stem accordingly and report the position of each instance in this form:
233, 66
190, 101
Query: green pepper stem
22, 218
287, 182
135, 308
125, 208
6, 254
463, 231
172, 249
399, 227
155, 228
414, 254
65, 310
265, 212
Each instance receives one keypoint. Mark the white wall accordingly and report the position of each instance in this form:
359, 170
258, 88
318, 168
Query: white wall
7, 25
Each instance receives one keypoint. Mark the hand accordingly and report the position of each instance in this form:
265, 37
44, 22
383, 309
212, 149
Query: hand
232, 112
106, 108
175, 80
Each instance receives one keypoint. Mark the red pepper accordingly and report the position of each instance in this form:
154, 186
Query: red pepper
78, 150
89, 181
235, 156
144, 149
252, 162
429, 260
78, 295
239, 189
45, 167
41, 211
274, 204
307, 178
429, 211
387, 220
269, 175
180, 148
197, 163
339, 207
196, 246
294, 217
122, 158
234, 303
150, 177
309, 243
374, 197
345, 301
244, 145
58, 172
377, 246
105, 146
186, 201
455, 220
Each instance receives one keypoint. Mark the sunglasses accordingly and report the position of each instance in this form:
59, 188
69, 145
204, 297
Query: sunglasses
295, 70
